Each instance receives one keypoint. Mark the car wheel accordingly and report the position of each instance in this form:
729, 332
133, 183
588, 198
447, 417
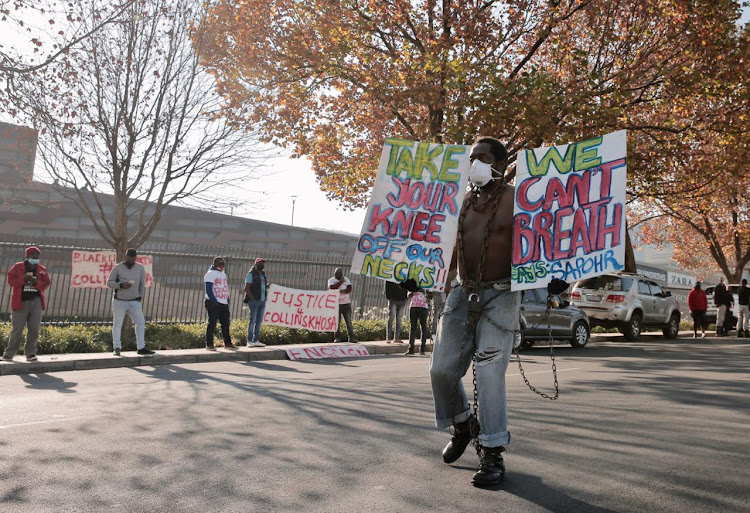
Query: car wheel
633, 328
521, 342
672, 328
580, 335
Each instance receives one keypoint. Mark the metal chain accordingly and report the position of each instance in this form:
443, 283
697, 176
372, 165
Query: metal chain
554, 366
518, 358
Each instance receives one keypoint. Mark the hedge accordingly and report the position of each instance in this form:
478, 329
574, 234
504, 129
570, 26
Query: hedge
98, 338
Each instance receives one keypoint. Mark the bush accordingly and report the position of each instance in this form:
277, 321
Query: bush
97, 339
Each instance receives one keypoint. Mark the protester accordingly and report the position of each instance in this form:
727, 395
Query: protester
418, 316
396, 297
437, 303
724, 301
255, 294
128, 278
28, 279
481, 315
217, 304
698, 304
743, 299
344, 286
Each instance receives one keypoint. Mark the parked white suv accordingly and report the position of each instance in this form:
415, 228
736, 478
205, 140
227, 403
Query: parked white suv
627, 302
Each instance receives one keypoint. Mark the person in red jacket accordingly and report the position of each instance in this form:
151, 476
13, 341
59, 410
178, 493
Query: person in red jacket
698, 304
29, 279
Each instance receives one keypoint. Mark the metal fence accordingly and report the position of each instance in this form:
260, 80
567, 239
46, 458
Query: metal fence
178, 290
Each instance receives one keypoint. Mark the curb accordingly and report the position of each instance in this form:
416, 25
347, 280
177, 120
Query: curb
92, 361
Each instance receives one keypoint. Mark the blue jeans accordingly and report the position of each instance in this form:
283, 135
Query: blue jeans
257, 310
452, 355
395, 313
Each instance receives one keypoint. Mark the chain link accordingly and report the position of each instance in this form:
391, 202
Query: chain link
552, 355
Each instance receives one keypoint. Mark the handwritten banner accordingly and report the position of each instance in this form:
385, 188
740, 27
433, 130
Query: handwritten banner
411, 223
91, 268
305, 309
319, 352
569, 215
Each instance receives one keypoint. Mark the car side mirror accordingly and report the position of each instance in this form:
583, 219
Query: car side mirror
667, 294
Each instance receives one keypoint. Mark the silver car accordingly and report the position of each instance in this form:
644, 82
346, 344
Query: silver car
627, 302
566, 322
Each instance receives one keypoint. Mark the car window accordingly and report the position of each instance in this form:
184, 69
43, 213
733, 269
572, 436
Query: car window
542, 295
655, 289
643, 288
604, 282
529, 296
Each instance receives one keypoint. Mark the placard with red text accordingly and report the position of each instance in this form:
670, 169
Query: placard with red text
569, 214
303, 309
91, 268
412, 221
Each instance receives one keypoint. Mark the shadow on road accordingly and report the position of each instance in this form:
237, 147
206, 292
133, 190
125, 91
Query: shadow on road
48, 382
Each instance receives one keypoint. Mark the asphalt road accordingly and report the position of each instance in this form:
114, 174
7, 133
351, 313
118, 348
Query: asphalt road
642, 427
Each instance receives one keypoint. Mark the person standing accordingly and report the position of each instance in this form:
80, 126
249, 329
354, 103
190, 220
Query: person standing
28, 279
743, 300
217, 304
722, 299
396, 296
437, 303
344, 286
418, 316
698, 304
128, 279
255, 294
481, 317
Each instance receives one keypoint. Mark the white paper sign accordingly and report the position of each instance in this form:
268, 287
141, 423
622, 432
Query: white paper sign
91, 268
304, 309
411, 223
569, 213
319, 352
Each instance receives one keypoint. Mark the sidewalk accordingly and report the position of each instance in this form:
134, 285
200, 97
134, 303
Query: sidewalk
86, 361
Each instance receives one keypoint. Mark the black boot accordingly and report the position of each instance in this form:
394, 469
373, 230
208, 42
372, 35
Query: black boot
491, 467
422, 348
410, 350
462, 435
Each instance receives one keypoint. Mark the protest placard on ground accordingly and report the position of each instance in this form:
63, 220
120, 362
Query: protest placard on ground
320, 352
411, 224
304, 309
91, 268
569, 214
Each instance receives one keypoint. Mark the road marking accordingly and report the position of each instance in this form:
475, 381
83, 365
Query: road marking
57, 419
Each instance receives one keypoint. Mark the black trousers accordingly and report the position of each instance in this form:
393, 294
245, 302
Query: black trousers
345, 311
418, 315
699, 320
220, 312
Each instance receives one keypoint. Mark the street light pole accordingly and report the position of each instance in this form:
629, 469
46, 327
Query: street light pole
294, 199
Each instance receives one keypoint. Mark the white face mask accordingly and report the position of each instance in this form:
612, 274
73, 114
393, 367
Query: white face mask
480, 173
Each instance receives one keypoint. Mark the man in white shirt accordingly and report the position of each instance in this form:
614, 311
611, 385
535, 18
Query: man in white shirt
217, 304
344, 286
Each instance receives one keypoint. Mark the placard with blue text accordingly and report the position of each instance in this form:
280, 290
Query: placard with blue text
411, 223
569, 214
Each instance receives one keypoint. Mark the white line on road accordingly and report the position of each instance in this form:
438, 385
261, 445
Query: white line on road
58, 419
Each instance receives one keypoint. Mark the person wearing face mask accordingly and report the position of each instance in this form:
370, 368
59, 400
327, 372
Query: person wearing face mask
128, 279
255, 297
479, 317
28, 279
217, 304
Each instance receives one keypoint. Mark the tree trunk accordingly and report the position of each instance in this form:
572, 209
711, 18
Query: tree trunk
630, 266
